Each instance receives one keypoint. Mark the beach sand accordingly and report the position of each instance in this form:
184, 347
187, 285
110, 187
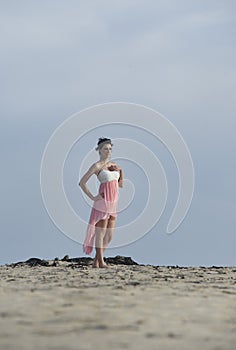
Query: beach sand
66, 304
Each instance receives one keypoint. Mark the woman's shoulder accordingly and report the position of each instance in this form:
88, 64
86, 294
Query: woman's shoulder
96, 165
93, 168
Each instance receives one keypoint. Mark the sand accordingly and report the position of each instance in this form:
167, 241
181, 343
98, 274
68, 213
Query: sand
67, 304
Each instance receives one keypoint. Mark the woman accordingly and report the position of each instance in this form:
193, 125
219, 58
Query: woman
104, 212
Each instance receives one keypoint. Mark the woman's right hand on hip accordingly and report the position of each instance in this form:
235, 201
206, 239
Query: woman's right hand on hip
99, 196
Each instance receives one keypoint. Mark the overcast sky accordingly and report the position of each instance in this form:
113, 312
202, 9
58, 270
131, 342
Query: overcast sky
177, 57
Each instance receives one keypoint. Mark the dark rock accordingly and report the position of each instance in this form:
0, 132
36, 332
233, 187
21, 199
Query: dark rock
120, 260
76, 262
117, 260
81, 261
66, 258
32, 262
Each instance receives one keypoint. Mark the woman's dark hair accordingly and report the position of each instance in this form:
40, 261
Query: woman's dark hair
103, 140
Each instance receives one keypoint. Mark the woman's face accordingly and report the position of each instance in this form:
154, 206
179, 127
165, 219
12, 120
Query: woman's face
106, 150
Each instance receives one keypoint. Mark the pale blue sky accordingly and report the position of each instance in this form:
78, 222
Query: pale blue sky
177, 57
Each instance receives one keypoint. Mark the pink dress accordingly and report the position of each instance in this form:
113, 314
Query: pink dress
102, 208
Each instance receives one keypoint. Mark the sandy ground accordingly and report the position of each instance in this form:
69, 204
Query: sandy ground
71, 306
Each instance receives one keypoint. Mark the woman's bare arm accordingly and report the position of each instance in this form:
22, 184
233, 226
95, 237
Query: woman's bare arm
121, 179
92, 170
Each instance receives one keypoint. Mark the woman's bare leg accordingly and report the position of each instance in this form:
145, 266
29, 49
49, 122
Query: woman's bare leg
100, 231
109, 232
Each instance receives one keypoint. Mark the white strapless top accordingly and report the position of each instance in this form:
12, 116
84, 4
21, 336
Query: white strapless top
107, 175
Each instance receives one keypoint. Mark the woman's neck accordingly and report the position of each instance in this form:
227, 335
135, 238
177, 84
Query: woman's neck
104, 160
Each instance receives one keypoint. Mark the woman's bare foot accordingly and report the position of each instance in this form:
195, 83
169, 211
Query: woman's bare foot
103, 265
95, 263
